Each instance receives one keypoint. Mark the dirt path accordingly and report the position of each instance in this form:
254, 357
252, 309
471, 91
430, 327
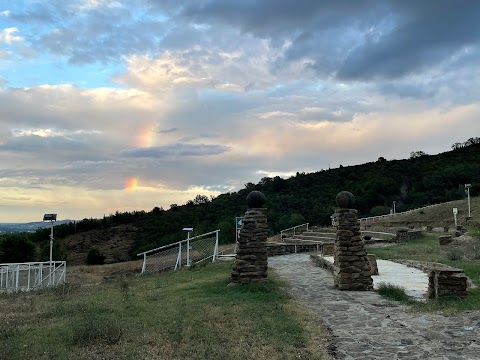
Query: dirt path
366, 326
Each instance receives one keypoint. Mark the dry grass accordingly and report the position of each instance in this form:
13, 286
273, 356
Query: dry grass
114, 242
184, 315
94, 274
441, 215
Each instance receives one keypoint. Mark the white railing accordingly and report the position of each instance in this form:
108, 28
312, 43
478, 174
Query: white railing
186, 252
374, 218
31, 275
293, 229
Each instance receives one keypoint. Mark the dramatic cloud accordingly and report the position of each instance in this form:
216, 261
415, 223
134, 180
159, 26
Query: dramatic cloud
182, 98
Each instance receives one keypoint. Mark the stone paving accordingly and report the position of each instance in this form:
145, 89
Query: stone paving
366, 326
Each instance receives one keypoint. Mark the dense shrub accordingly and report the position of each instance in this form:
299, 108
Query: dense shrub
95, 257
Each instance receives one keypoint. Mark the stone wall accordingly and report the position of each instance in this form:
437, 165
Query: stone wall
404, 235
276, 249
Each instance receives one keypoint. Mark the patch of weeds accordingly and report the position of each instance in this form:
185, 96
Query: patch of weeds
93, 328
454, 254
393, 292
124, 285
8, 333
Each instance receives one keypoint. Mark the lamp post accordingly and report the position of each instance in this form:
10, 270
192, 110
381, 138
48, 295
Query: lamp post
51, 218
188, 230
467, 187
394, 211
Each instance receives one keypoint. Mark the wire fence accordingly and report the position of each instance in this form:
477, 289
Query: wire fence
28, 276
182, 253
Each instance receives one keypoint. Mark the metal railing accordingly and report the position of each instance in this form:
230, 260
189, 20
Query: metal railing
373, 218
294, 229
186, 252
28, 276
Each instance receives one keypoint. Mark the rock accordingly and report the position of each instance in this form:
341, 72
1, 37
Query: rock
445, 240
345, 200
256, 199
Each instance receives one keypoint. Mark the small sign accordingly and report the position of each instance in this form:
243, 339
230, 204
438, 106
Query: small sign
455, 211
238, 226
238, 222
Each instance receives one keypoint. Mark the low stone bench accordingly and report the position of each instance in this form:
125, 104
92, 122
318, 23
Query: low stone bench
442, 279
404, 234
445, 240
446, 282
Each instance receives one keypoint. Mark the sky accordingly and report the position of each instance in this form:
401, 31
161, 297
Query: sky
110, 105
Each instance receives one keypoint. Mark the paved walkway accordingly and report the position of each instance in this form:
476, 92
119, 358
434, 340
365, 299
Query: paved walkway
366, 326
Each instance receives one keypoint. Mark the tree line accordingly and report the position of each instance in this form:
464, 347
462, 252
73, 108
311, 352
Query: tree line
418, 181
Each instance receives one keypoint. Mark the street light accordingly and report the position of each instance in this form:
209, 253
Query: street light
51, 218
467, 187
188, 230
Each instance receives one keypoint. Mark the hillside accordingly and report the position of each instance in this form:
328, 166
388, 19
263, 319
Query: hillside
438, 216
411, 183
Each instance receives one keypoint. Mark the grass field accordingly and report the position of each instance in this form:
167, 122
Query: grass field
428, 249
441, 215
191, 314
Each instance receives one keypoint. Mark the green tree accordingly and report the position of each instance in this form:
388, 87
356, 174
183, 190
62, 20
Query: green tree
95, 257
16, 248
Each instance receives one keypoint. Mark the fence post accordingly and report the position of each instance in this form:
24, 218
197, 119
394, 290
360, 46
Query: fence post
179, 256
215, 250
144, 265
188, 249
18, 275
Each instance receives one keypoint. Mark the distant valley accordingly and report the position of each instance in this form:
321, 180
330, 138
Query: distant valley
9, 228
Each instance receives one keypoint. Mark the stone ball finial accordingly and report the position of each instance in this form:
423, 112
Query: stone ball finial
256, 199
345, 199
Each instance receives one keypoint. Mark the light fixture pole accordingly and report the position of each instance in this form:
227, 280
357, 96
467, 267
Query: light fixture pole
188, 230
467, 187
51, 218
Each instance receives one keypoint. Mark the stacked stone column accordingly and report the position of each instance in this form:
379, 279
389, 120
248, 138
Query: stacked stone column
251, 262
352, 267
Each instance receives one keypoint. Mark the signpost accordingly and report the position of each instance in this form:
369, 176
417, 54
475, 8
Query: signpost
455, 212
238, 226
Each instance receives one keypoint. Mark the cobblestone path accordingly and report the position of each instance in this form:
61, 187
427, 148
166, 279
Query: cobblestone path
366, 326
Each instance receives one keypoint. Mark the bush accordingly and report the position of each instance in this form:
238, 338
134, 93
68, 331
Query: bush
95, 257
379, 210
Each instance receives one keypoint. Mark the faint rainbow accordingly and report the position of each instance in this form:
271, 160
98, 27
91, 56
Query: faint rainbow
146, 136
131, 184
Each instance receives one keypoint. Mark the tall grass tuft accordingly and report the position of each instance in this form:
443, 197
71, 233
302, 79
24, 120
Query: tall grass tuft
393, 292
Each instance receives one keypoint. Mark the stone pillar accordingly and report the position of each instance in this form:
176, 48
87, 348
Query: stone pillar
352, 268
251, 260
